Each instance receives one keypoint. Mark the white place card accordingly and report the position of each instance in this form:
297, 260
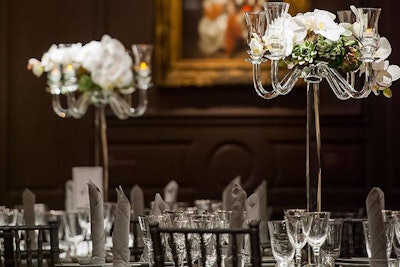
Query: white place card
80, 177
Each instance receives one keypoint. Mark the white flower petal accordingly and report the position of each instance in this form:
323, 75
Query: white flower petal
394, 71
384, 49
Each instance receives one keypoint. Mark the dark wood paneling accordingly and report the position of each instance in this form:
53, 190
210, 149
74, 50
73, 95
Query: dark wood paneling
201, 137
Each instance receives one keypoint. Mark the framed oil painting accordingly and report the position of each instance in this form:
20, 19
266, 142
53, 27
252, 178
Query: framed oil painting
204, 42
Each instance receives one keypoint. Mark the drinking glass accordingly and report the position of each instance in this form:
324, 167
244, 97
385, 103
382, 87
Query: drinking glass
84, 223
144, 224
395, 215
204, 221
315, 226
295, 232
282, 248
144, 221
330, 250
8, 217
74, 234
59, 217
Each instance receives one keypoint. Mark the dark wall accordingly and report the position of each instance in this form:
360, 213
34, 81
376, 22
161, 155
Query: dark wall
201, 137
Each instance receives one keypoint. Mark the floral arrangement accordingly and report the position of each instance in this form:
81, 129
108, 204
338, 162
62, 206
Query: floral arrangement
95, 66
315, 37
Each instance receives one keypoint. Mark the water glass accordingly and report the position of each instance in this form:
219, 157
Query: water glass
144, 221
75, 235
282, 248
204, 221
296, 232
330, 250
8, 217
315, 226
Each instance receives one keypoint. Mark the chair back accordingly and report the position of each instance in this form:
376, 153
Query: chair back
20, 249
160, 234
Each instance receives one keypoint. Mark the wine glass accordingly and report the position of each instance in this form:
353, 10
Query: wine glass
315, 226
144, 221
74, 233
330, 250
144, 224
204, 221
282, 248
395, 217
296, 232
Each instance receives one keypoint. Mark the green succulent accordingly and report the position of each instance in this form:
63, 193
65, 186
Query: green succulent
342, 54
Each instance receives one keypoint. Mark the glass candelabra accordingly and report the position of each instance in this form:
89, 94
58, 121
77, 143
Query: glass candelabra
268, 27
67, 102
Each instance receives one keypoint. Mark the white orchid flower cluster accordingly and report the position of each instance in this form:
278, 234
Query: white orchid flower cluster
315, 36
97, 65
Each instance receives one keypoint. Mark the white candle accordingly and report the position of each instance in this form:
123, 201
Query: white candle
369, 32
55, 75
143, 69
68, 72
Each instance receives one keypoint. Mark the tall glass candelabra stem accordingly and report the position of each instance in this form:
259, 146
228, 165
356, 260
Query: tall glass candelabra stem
313, 146
101, 140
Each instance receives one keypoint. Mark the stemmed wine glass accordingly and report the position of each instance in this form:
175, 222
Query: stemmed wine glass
144, 224
315, 226
74, 233
282, 248
295, 232
204, 221
330, 250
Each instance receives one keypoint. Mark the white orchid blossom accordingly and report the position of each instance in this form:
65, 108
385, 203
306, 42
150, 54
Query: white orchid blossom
384, 75
107, 62
321, 22
384, 50
36, 67
256, 47
59, 55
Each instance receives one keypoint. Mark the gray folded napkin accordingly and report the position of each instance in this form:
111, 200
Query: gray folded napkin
375, 203
238, 196
137, 201
261, 192
120, 236
253, 207
28, 203
97, 224
227, 193
171, 192
69, 193
238, 207
137, 205
158, 206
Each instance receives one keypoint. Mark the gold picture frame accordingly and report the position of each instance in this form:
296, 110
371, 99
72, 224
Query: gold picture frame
174, 70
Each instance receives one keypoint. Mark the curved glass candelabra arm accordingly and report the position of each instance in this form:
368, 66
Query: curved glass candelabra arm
288, 82
75, 109
336, 88
258, 84
333, 83
350, 77
344, 85
122, 105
